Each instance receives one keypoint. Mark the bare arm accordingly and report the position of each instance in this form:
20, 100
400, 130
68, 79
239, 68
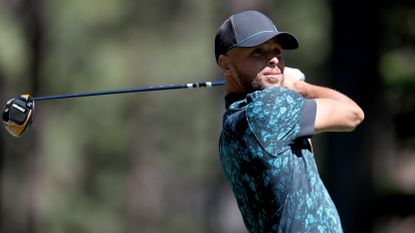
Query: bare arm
335, 111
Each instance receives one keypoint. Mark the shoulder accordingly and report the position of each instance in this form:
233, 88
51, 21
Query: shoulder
274, 100
275, 95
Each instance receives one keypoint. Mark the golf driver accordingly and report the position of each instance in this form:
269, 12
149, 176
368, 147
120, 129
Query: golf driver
18, 112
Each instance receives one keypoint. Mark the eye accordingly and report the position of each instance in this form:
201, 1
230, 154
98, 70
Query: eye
277, 52
257, 52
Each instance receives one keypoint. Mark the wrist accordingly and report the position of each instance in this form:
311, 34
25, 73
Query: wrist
299, 88
304, 89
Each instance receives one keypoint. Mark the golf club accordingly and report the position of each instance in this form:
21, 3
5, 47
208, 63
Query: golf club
18, 112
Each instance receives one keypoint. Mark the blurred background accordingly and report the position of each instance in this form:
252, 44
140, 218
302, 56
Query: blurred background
149, 162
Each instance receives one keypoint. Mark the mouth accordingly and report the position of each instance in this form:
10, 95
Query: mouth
273, 76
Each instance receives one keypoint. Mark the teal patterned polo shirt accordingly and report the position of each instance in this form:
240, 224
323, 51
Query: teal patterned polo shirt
268, 162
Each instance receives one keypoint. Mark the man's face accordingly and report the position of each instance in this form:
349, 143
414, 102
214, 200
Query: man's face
258, 67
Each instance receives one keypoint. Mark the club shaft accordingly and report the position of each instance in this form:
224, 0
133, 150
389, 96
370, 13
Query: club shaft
133, 90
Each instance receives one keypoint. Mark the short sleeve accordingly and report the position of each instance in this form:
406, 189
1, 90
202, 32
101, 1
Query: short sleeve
307, 118
277, 116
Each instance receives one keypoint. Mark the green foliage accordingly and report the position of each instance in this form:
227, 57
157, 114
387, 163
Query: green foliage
398, 68
13, 54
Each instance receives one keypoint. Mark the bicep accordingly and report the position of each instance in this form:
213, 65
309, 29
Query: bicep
332, 116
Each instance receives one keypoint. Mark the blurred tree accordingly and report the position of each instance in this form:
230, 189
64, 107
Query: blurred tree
395, 140
29, 13
2, 154
354, 59
371, 56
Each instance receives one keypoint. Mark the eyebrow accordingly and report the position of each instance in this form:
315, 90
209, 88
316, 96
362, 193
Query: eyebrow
271, 47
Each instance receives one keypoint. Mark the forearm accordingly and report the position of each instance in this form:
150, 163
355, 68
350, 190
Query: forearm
310, 91
335, 111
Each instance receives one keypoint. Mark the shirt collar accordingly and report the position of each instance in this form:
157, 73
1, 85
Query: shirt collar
233, 97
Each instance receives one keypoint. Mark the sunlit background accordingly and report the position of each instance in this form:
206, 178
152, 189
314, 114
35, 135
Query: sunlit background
148, 162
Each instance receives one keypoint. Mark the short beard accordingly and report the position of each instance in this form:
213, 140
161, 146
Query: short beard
251, 84
246, 82
256, 83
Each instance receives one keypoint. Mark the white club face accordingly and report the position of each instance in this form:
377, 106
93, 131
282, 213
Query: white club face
18, 107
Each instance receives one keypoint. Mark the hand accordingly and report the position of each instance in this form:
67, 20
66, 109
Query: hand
292, 76
296, 73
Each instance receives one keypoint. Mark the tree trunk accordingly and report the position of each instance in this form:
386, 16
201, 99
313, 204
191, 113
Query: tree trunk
33, 27
353, 68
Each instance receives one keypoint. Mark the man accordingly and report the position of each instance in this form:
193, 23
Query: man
270, 116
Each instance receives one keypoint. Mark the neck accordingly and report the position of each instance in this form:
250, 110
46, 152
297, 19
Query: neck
233, 97
233, 87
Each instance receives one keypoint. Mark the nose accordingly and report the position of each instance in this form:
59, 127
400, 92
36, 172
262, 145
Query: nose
273, 61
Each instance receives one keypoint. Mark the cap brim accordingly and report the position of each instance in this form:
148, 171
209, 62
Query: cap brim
285, 39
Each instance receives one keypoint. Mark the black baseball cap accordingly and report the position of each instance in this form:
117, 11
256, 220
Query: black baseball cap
249, 29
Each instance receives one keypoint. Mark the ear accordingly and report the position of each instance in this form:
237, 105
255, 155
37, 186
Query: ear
224, 65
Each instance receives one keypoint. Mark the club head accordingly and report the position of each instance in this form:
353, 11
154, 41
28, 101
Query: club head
18, 114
